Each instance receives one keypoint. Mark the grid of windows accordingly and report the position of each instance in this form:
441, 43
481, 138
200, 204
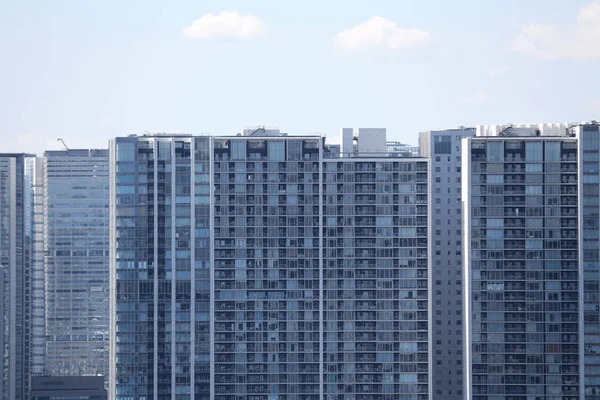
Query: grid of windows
15, 250
445, 260
161, 272
266, 268
590, 198
76, 261
242, 270
522, 268
375, 297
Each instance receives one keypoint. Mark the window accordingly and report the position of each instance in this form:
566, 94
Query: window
276, 150
532, 190
442, 145
495, 179
553, 151
125, 151
590, 140
294, 150
533, 152
238, 149
495, 151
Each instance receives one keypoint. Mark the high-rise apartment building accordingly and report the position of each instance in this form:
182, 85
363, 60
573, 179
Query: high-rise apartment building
76, 253
523, 305
589, 240
161, 267
443, 149
268, 266
15, 253
375, 295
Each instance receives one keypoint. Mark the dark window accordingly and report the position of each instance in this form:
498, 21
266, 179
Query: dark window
442, 145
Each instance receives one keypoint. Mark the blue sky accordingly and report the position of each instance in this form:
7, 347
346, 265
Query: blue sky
87, 71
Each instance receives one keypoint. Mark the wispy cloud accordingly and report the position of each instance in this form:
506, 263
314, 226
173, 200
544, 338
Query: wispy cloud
380, 33
497, 71
578, 41
227, 24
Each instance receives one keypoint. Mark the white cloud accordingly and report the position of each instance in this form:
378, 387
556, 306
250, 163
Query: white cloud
380, 33
497, 71
579, 41
477, 98
227, 24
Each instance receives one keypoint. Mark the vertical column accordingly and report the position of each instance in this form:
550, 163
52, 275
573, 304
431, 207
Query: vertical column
321, 273
211, 265
155, 266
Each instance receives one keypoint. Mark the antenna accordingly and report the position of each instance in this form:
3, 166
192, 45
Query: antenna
63, 142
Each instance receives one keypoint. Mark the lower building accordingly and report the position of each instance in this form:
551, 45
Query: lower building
68, 388
75, 256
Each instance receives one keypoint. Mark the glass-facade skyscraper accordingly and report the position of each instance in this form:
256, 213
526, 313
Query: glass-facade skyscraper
160, 267
76, 253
